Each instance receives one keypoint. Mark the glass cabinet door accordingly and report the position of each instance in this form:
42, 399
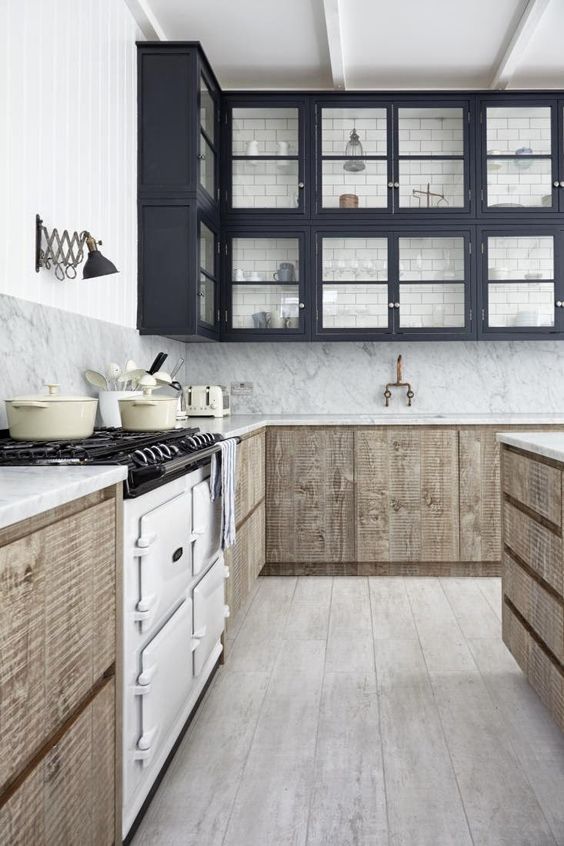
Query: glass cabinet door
266, 165
430, 167
207, 155
519, 279
518, 158
434, 283
354, 158
354, 284
266, 284
207, 291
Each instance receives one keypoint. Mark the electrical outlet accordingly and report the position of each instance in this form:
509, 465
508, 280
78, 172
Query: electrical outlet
242, 389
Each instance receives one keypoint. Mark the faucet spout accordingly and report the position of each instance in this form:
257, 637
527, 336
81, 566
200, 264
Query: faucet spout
399, 383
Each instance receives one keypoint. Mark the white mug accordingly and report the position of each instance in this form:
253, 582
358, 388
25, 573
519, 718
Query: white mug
252, 148
254, 276
239, 274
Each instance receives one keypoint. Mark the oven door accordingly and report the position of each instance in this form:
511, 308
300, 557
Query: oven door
165, 681
165, 566
209, 613
206, 526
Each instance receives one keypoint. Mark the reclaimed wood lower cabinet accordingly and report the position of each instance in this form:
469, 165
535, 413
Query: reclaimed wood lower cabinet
57, 666
533, 572
246, 558
397, 500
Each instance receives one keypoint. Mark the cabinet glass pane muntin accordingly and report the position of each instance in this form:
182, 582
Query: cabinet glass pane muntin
207, 111
428, 131
518, 130
265, 183
265, 307
354, 259
272, 131
431, 258
370, 125
358, 189
514, 303
265, 259
519, 182
207, 166
355, 306
432, 305
431, 183
527, 257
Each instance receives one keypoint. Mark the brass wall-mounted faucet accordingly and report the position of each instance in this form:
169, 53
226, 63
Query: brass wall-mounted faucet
399, 383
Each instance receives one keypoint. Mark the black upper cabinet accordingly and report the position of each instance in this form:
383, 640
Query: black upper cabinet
178, 119
406, 157
266, 156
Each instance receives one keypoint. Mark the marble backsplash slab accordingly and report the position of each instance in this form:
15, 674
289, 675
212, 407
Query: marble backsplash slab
40, 344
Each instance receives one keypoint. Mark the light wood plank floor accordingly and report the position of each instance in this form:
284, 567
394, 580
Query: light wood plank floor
359, 712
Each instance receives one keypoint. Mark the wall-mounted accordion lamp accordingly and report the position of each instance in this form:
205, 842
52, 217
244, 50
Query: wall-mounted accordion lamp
65, 252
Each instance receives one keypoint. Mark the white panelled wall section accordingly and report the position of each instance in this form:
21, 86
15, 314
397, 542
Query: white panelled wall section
68, 147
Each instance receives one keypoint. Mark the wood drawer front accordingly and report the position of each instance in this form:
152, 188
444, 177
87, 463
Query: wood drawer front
536, 485
69, 797
57, 613
543, 675
541, 610
245, 560
536, 545
250, 487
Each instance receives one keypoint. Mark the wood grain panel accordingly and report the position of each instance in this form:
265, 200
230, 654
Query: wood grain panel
535, 544
245, 561
310, 494
535, 484
250, 487
543, 612
439, 495
69, 796
57, 619
405, 494
372, 514
480, 500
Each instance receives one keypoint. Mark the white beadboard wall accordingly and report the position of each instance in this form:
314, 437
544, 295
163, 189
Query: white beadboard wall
68, 147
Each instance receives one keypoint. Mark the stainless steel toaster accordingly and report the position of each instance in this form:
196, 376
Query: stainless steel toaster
206, 401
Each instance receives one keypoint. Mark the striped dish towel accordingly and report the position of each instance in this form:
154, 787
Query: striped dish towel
222, 483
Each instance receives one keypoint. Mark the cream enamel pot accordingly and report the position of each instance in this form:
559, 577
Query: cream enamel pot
51, 417
148, 413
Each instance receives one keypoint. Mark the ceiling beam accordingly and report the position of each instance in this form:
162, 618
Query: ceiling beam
146, 20
518, 41
334, 41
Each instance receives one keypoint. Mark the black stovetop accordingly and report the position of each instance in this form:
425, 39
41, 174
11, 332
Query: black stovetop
153, 458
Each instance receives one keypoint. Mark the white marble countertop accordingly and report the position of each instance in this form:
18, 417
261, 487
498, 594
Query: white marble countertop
243, 424
28, 491
549, 444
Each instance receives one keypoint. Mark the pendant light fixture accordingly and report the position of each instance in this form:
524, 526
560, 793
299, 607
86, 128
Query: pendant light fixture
354, 154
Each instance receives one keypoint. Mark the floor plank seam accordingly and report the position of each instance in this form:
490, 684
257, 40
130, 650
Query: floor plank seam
379, 712
440, 719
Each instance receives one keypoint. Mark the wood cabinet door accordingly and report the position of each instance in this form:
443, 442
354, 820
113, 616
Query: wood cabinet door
407, 504
310, 495
57, 630
250, 487
480, 495
69, 796
245, 560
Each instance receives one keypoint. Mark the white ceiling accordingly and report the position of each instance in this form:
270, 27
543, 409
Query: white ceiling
374, 44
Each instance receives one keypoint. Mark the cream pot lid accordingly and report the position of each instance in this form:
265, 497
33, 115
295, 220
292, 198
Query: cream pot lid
53, 395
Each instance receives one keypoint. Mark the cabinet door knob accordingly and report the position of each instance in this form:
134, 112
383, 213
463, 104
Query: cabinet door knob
301, 305
301, 184
396, 305
562, 183
201, 156
390, 305
396, 184
558, 304
390, 184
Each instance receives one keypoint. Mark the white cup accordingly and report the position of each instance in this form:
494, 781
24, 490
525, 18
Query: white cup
253, 148
239, 274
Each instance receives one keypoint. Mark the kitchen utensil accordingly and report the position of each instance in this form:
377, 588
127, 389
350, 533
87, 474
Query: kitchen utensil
162, 377
96, 379
158, 362
148, 413
109, 405
113, 371
51, 417
176, 367
286, 272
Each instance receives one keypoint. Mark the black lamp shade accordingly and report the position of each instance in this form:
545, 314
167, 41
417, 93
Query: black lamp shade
97, 265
